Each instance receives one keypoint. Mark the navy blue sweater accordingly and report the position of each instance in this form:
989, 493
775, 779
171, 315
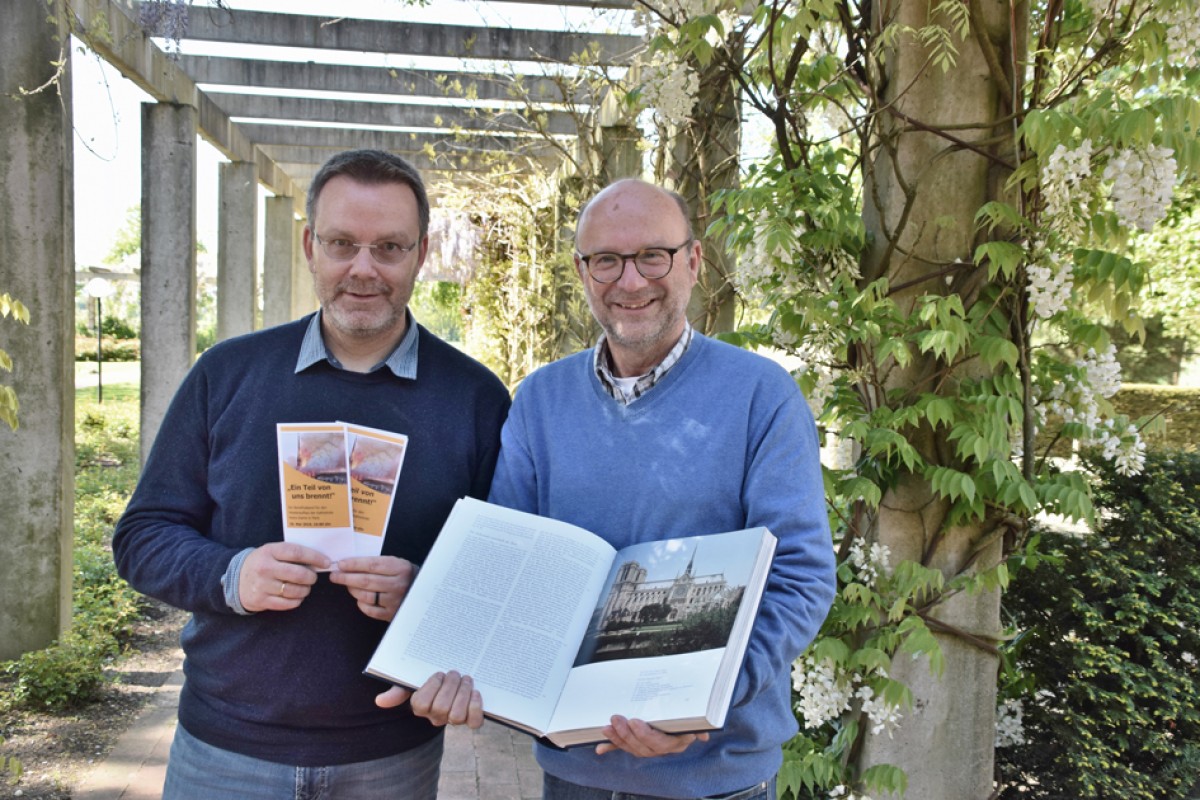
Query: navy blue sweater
288, 686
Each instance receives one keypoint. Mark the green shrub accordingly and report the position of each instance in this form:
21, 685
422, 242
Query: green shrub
112, 349
118, 328
67, 674
1108, 644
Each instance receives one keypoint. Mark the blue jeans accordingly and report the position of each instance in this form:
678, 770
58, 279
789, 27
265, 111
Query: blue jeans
558, 789
199, 770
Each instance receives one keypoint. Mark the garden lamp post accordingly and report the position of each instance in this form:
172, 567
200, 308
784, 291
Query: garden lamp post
99, 288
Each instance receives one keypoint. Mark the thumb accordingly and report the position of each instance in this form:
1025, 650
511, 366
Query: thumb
395, 696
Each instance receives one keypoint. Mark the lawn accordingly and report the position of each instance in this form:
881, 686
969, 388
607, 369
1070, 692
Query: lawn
112, 381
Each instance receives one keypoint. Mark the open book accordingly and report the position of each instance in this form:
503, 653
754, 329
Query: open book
560, 631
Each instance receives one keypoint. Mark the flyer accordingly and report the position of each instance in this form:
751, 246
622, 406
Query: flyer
315, 486
375, 458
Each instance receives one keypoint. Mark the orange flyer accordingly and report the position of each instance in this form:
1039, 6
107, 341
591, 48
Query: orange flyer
315, 487
375, 459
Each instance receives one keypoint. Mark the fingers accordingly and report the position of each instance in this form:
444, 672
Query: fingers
293, 553
640, 739
449, 699
378, 583
278, 576
395, 696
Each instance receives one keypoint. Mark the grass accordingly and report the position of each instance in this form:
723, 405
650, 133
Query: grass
115, 381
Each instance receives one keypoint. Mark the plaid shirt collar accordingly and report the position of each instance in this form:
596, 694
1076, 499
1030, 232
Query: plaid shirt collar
601, 359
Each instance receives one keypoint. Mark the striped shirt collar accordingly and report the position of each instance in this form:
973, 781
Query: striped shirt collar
600, 363
402, 362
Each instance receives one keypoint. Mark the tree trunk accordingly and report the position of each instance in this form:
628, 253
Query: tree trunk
705, 156
921, 193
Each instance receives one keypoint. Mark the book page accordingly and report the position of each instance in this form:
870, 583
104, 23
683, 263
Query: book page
314, 487
504, 597
658, 690
667, 632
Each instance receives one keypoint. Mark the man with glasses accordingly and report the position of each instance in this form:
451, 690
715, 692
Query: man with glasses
660, 431
274, 703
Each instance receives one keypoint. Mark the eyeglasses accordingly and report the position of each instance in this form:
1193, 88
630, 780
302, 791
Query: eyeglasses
389, 254
653, 263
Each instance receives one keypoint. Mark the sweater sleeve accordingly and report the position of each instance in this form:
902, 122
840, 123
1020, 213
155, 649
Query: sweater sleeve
161, 544
514, 484
784, 491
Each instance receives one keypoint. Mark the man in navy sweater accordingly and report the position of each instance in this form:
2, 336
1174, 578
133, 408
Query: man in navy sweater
275, 703
660, 431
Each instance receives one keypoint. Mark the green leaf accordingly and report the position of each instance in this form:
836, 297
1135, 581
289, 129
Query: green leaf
1002, 257
995, 350
885, 779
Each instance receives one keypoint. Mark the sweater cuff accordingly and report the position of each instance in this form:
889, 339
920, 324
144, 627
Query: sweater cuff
230, 580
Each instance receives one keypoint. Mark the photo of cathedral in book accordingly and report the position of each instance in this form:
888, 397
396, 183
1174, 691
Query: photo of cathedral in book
641, 617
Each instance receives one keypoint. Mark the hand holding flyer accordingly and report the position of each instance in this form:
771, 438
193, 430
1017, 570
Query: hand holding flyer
337, 485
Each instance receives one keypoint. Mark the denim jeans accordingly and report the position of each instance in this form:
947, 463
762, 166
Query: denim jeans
199, 770
558, 789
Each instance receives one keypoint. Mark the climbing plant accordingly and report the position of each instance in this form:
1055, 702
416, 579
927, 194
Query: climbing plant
10, 307
940, 230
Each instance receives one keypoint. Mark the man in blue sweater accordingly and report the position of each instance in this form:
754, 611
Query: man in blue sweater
660, 431
275, 703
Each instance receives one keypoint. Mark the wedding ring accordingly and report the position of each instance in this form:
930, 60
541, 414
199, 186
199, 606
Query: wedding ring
377, 598
282, 588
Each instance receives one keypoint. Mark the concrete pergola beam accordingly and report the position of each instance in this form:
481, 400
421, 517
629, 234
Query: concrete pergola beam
311, 76
409, 38
299, 161
351, 113
401, 142
109, 28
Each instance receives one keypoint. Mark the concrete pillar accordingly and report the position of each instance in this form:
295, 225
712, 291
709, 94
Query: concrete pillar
237, 249
619, 153
168, 258
279, 255
37, 460
304, 298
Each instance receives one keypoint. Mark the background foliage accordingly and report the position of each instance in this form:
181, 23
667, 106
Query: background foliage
1107, 645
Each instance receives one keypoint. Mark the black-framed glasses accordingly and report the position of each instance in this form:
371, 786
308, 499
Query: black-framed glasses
388, 254
652, 263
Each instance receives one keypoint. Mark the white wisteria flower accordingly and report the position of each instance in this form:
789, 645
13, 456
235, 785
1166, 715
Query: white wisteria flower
825, 693
1143, 182
841, 792
1064, 176
1183, 34
884, 716
1050, 285
1075, 399
1010, 728
871, 562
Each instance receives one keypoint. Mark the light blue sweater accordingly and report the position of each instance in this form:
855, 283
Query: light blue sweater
725, 441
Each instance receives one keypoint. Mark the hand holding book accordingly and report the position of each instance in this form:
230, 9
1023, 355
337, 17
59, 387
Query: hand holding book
452, 699
541, 613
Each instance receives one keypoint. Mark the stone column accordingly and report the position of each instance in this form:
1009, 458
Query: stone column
278, 256
168, 258
37, 460
304, 299
237, 249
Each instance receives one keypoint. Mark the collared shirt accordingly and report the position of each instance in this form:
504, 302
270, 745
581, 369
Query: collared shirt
402, 361
636, 387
